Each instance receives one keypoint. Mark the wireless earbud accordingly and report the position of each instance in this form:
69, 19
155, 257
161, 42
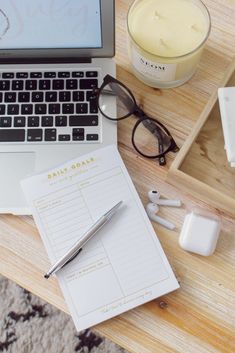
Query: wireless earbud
154, 196
151, 210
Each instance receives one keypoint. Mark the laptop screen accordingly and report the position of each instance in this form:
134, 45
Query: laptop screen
54, 24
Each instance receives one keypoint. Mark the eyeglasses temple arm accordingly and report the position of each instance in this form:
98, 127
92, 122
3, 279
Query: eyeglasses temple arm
162, 160
174, 148
156, 131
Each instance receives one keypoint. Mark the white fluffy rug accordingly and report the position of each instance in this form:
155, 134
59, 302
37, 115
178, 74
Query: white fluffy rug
29, 325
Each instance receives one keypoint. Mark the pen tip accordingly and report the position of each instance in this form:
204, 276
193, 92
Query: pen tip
46, 276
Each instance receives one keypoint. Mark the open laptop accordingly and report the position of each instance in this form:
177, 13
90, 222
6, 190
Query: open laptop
52, 55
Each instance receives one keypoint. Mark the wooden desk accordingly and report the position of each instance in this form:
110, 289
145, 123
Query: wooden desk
199, 317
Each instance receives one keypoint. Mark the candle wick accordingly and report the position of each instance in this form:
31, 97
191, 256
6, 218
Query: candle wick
157, 15
195, 28
162, 42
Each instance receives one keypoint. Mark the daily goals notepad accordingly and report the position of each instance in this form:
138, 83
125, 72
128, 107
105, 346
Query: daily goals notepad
124, 265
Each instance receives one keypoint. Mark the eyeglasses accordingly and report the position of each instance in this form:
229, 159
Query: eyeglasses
150, 138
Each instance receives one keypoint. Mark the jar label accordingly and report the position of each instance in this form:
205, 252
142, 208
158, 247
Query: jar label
152, 69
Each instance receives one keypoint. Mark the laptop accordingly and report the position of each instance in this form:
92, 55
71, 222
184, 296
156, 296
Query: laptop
52, 56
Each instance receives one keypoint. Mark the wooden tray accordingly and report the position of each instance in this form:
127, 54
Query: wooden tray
201, 167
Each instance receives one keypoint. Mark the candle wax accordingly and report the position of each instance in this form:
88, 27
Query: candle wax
168, 28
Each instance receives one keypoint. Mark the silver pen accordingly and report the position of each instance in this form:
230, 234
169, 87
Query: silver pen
77, 247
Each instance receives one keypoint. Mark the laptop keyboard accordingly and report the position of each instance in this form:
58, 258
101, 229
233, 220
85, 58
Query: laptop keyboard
49, 106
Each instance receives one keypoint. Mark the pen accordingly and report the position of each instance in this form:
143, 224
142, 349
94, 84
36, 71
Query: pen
77, 247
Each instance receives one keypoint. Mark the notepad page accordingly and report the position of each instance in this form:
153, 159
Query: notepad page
123, 265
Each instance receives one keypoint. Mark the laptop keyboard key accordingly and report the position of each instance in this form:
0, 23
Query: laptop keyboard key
81, 108
33, 121
4, 85
71, 84
58, 84
65, 96
91, 74
45, 85
78, 74
61, 120
92, 137
1, 96
49, 74
27, 109
12, 135
40, 109
17, 85
19, 121
64, 137
88, 83
54, 108
2, 109
22, 75
13, 109
83, 120
68, 108
78, 134
64, 74
78, 96
35, 74
90, 95
5, 122
8, 75
23, 97
50, 134
78, 137
37, 96
34, 135
31, 85
47, 120
93, 106
10, 97
51, 96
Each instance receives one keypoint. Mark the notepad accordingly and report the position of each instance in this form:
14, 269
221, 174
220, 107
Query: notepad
123, 265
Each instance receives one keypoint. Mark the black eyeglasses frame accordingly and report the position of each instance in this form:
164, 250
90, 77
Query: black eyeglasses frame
141, 115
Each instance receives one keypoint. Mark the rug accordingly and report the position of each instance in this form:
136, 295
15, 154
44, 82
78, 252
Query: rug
30, 325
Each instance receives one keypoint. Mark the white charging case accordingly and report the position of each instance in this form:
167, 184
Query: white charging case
199, 234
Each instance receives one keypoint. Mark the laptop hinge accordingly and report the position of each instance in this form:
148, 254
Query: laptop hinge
67, 60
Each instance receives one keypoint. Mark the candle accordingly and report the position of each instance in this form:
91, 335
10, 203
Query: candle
166, 38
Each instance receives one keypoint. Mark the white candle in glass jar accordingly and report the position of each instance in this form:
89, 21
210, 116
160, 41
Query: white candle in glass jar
166, 38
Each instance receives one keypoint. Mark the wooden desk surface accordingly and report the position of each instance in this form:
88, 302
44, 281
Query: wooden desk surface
200, 316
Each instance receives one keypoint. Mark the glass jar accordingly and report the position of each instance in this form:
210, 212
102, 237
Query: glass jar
166, 39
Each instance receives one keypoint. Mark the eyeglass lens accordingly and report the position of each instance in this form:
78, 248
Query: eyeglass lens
148, 138
124, 102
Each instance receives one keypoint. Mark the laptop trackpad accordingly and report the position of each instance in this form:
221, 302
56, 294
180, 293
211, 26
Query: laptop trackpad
14, 167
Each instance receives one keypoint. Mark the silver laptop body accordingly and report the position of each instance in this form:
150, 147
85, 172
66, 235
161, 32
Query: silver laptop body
75, 42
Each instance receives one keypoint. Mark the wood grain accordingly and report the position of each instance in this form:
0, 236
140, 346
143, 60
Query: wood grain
201, 167
200, 316
212, 168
